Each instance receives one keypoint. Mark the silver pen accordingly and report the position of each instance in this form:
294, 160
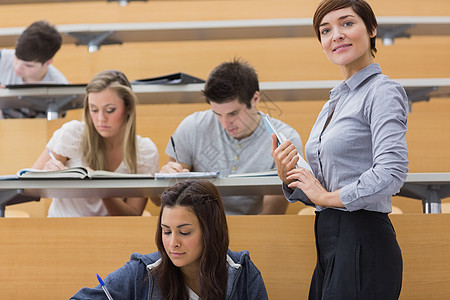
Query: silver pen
108, 295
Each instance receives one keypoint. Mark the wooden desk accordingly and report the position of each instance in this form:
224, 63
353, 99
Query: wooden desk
62, 1
96, 35
57, 99
18, 191
53, 100
428, 187
52, 258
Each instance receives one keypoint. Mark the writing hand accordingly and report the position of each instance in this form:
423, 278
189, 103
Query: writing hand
173, 167
54, 165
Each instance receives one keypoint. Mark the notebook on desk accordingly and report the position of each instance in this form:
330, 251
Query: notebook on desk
272, 172
77, 173
175, 78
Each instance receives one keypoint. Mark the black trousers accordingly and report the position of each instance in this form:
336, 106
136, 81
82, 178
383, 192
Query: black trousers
358, 257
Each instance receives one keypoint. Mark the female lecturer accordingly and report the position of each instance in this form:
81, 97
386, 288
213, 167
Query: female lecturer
358, 155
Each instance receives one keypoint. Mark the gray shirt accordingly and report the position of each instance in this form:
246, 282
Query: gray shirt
8, 76
363, 150
202, 142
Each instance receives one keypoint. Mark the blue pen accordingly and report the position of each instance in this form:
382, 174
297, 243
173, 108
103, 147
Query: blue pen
104, 287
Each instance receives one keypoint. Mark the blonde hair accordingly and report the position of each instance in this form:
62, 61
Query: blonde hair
92, 145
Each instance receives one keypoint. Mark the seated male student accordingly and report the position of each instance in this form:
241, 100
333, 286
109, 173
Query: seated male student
31, 62
230, 137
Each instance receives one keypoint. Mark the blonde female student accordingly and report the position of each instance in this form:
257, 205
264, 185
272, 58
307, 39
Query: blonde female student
105, 140
357, 152
193, 260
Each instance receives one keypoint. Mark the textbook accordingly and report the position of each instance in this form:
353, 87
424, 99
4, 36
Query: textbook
76, 173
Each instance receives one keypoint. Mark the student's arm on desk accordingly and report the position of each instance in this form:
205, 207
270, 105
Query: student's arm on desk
274, 205
174, 167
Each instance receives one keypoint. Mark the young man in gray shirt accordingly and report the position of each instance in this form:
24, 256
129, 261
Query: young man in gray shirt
31, 62
230, 137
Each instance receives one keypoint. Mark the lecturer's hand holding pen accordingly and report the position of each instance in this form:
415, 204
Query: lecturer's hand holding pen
285, 157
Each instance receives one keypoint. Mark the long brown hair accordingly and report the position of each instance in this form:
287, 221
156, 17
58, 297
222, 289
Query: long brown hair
203, 199
92, 145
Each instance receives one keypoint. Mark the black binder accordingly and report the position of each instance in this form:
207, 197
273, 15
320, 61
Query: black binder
175, 78
43, 84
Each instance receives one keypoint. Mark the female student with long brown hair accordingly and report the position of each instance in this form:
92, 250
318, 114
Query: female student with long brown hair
193, 260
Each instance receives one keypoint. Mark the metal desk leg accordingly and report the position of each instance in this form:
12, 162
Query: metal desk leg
5, 197
432, 200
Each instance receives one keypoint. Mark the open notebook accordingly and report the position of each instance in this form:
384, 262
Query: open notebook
75, 172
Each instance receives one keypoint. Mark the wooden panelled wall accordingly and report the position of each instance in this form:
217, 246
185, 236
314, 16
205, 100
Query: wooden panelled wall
284, 59
55, 257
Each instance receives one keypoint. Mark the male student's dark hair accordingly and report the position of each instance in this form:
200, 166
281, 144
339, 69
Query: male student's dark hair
39, 42
231, 80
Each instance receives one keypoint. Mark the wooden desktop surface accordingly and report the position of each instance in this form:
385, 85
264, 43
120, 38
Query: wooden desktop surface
134, 187
72, 96
417, 185
226, 29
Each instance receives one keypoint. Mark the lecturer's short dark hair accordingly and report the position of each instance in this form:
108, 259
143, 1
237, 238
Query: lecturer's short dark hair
232, 80
39, 42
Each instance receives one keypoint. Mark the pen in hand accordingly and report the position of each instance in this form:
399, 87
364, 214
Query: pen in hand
102, 284
51, 155
174, 150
